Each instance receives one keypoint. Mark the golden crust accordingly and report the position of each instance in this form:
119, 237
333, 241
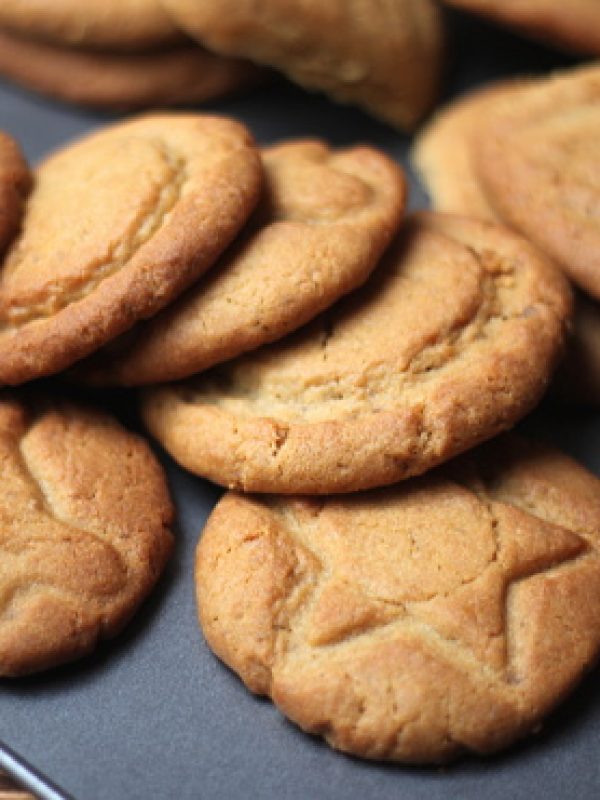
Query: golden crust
15, 182
574, 25
445, 614
126, 219
84, 518
537, 161
107, 79
325, 220
453, 340
386, 57
112, 24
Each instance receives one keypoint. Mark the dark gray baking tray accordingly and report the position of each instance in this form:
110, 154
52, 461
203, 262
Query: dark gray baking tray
153, 714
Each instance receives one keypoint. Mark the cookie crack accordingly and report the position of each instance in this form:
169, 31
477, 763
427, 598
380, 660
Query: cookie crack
64, 293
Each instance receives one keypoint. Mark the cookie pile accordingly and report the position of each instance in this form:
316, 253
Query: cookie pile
123, 54
321, 345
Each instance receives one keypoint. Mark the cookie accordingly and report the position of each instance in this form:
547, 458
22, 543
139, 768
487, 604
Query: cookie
443, 156
105, 79
116, 227
112, 24
452, 340
574, 25
442, 153
446, 614
15, 182
324, 221
537, 161
84, 516
385, 57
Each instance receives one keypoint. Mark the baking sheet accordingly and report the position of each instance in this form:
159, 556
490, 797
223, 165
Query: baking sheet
153, 714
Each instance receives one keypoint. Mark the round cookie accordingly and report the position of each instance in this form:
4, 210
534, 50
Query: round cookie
116, 227
453, 339
84, 519
106, 79
442, 153
446, 614
324, 221
537, 160
111, 24
386, 57
15, 182
574, 25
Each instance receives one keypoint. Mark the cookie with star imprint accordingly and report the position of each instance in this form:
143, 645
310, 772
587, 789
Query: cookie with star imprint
324, 221
449, 613
452, 340
116, 226
15, 182
574, 25
110, 24
171, 76
84, 531
385, 57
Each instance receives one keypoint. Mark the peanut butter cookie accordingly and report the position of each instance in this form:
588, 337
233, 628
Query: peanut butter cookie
453, 339
116, 227
112, 24
325, 219
574, 25
442, 153
537, 158
15, 182
84, 532
446, 614
106, 79
385, 57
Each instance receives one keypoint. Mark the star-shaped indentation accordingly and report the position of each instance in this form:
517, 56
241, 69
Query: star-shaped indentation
483, 550
41, 552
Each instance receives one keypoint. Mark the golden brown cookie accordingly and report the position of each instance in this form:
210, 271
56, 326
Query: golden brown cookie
84, 519
572, 24
537, 159
443, 156
386, 57
113, 24
442, 153
453, 339
15, 182
324, 221
105, 79
445, 614
116, 227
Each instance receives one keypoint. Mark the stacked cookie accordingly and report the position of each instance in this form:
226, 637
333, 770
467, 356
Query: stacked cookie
414, 606
135, 53
524, 153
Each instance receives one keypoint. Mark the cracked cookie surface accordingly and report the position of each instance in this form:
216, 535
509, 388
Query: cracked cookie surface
117, 226
537, 160
84, 532
444, 614
323, 223
386, 57
15, 182
112, 24
452, 340
107, 79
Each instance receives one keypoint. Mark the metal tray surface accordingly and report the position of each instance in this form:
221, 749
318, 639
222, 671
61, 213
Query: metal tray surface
153, 714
